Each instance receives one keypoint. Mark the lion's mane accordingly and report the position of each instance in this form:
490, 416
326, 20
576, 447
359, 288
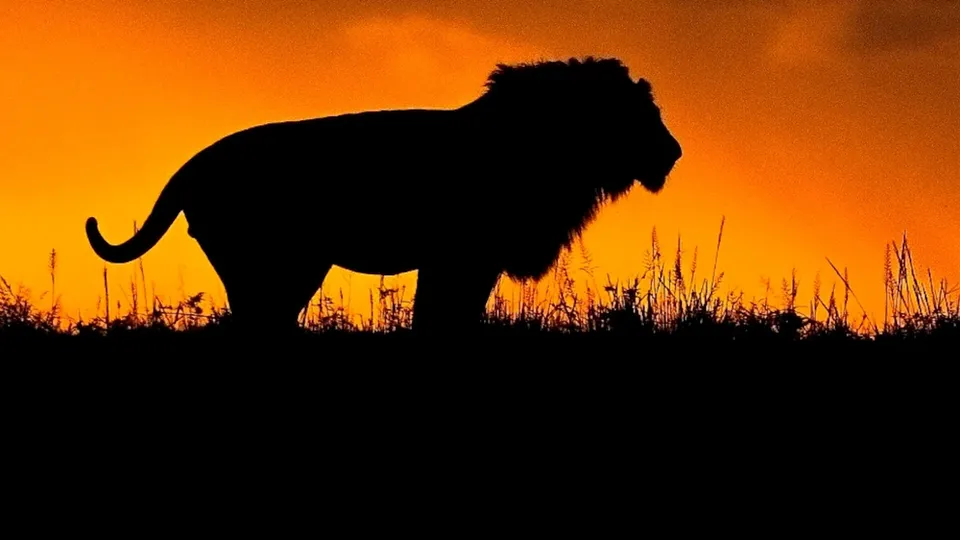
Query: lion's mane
558, 131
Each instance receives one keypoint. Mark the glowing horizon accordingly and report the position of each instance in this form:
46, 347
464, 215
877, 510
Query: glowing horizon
816, 135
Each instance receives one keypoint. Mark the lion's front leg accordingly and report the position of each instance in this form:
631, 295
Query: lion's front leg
448, 299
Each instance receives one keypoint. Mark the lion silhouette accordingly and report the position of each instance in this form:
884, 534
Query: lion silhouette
501, 184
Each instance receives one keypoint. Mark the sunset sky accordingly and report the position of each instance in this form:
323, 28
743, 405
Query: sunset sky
817, 128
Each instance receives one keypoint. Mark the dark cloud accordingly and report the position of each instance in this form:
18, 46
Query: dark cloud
896, 25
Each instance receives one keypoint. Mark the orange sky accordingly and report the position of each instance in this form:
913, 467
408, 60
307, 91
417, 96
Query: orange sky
819, 129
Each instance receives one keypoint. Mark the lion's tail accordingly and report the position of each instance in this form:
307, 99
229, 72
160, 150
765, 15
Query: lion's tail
165, 211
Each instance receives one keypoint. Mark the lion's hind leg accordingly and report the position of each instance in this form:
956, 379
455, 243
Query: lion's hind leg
264, 297
451, 300
271, 303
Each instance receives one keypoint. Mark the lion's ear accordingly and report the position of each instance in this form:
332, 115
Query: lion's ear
644, 85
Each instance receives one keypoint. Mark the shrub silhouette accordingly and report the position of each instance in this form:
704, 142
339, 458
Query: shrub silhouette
664, 304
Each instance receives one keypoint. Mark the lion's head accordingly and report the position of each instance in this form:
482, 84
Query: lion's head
562, 138
612, 119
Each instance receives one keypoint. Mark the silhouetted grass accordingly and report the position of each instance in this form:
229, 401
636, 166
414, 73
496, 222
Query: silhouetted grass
663, 302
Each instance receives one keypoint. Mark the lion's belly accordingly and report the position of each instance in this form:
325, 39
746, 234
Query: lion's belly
375, 256
404, 247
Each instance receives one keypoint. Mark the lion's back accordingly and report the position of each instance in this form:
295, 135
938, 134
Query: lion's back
349, 151
409, 168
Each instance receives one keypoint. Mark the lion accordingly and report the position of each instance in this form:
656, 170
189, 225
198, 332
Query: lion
500, 185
